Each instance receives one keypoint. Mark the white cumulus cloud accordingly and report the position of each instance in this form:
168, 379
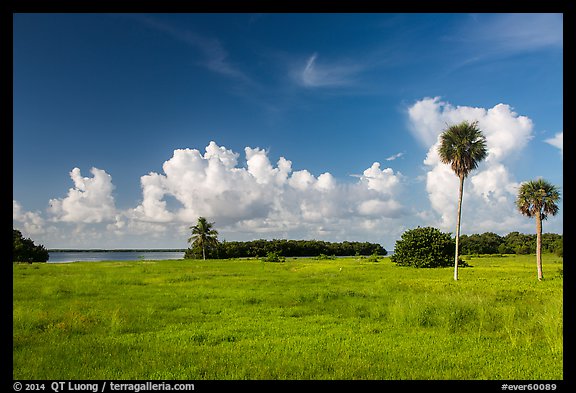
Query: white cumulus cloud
31, 223
261, 197
557, 141
384, 181
89, 201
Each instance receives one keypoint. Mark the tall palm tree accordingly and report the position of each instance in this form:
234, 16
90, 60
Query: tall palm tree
537, 198
462, 146
203, 235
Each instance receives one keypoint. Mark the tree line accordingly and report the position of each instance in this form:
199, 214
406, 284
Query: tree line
474, 244
286, 248
512, 243
204, 244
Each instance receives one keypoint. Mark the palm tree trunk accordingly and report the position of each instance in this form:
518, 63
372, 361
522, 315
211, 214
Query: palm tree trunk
539, 245
458, 226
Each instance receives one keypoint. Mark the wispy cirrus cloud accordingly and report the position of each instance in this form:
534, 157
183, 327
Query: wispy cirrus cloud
395, 156
214, 56
486, 36
316, 74
514, 32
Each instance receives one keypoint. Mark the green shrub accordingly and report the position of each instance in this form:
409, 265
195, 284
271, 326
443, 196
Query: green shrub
373, 258
424, 247
273, 257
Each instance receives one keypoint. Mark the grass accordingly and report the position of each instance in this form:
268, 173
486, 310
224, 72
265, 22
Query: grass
301, 319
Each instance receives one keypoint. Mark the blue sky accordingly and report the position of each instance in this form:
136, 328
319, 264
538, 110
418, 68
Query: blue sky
127, 127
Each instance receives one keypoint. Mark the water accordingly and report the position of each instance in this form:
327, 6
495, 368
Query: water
95, 256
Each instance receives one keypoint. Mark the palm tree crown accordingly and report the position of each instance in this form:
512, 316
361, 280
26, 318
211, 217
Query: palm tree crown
538, 196
462, 146
203, 235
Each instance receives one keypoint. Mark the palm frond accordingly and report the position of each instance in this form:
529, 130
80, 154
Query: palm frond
462, 146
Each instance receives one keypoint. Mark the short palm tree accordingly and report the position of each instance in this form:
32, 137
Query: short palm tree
462, 146
537, 198
203, 235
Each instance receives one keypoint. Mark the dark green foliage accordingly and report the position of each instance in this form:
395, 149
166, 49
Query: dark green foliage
485, 243
522, 249
512, 243
191, 254
424, 247
287, 248
551, 242
558, 248
195, 252
519, 243
373, 258
273, 257
475, 244
24, 249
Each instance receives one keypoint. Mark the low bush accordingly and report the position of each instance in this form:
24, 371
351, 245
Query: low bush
273, 257
424, 247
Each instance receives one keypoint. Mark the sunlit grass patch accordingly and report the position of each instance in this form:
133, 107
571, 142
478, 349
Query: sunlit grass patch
301, 319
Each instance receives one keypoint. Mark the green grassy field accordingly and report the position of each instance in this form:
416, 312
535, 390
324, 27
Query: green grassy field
301, 319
